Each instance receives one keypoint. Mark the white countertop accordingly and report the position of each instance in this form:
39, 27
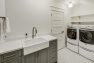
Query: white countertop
10, 46
48, 37
18, 44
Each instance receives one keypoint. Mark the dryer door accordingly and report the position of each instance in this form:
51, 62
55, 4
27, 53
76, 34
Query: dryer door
71, 33
86, 36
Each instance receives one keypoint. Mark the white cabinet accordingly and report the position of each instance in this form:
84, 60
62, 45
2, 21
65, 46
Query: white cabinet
2, 7
58, 25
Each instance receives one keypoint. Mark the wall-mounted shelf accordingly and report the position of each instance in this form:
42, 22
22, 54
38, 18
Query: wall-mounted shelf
82, 15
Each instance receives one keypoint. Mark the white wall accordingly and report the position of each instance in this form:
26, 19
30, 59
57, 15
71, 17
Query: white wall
80, 8
2, 7
24, 14
67, 14
84, 7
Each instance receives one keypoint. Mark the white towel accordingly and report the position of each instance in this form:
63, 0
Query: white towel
1, 30
6, 25
8, 29
0, 27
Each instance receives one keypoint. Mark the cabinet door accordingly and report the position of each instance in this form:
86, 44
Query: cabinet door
0, 59
53, 51
31, 58
12, 57
43, 56
16, 60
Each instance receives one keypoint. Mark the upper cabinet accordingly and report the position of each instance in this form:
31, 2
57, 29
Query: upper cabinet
2, 7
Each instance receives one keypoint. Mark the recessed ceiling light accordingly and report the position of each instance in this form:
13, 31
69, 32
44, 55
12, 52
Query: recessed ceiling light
70, 4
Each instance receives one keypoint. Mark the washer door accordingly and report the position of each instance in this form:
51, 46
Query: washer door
86, 36
72, 33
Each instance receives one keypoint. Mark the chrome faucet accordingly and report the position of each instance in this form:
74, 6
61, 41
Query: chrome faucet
34, 32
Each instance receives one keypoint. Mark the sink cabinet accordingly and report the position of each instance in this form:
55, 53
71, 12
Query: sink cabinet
12, 57
47, 55
37, 57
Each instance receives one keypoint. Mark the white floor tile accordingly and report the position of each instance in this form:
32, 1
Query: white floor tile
67, 56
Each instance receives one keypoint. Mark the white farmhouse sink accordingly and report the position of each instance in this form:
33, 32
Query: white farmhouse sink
33, 45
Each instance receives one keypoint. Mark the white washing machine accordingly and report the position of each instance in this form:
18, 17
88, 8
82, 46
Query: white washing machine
73, 37
86, 41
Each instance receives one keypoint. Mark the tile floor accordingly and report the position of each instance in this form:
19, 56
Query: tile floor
67, 56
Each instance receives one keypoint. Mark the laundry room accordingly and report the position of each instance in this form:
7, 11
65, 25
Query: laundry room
46, 31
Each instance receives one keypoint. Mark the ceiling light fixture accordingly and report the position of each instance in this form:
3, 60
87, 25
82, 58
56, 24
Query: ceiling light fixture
70, 4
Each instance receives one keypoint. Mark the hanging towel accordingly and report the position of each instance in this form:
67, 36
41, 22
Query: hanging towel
8, 29
0, 27
6, 25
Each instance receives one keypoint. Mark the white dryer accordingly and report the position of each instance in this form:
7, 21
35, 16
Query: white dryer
86, 41
73, 37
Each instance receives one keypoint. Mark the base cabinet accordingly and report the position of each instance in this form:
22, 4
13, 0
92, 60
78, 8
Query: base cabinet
37, 57
52, 51
12, 57
47, 55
